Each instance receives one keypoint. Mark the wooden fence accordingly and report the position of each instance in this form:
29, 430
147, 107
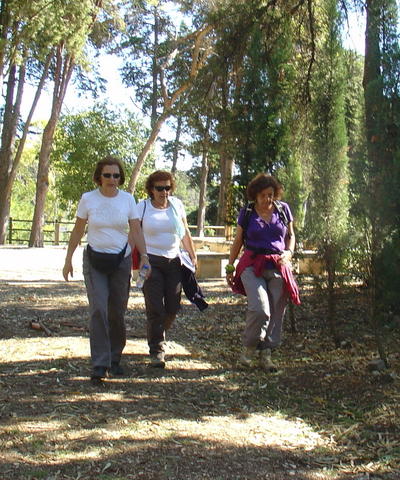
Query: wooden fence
57, 232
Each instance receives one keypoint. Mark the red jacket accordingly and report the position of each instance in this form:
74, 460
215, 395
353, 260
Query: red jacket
258, 261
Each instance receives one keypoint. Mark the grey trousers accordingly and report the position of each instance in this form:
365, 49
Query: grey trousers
162, 295
108, 299
266, 304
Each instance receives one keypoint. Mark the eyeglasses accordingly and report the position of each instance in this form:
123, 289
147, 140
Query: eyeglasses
109, 175
160, 188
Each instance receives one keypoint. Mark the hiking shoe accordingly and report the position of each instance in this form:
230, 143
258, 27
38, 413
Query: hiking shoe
247, 356
116, 369
98, 373
157, 360
266, 362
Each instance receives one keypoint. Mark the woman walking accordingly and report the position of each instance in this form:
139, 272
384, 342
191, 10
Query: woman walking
113, 227
263, 273
165, 228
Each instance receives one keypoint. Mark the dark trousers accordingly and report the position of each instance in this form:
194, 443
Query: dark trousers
108, 299
162, 295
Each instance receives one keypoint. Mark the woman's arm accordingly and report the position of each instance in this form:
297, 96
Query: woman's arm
290, 242
233, 254
188, 244
76, 236
135, 237
236, 245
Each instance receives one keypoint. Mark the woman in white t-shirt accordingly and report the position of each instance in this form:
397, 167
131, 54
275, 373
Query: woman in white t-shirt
165, 228
113, 227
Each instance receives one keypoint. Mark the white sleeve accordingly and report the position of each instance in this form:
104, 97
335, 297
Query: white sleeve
140, 208
133, 210
82, 211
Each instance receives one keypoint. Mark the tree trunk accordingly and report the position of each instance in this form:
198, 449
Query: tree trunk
374, 99
154, 94
201, 214
226, 168
145, 151
177, 140
11, 114
333, 321
169, 100
4, 25
64, 68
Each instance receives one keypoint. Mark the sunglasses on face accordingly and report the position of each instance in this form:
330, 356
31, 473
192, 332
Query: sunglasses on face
160, 188
109, 175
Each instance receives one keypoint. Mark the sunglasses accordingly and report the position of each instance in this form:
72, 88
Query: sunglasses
109, 175
160, 188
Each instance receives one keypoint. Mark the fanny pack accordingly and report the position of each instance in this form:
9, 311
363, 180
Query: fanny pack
105, 262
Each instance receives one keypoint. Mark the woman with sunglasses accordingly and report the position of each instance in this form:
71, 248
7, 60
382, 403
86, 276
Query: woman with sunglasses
164, 227
113, 227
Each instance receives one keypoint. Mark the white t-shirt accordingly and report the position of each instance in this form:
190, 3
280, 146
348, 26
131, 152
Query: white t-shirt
107, 219
159, 228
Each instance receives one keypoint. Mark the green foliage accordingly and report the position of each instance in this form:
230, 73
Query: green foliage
329, 204
24, 191
212, 188
388, 274
258, 122
83, 139
23, 194
188, 193
37, 26
359, 241
295, 192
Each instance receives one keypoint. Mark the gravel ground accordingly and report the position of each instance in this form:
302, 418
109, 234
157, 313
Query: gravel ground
36, 264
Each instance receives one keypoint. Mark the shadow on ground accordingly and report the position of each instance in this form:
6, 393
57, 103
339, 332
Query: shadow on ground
321, 416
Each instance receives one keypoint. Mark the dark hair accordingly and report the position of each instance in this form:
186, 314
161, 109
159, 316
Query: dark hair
159, 176
109, 160
260, 183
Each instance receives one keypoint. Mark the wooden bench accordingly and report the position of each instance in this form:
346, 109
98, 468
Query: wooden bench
308, 263
211, 264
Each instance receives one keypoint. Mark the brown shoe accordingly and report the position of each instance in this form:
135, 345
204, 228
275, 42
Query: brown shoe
157, 360
266, 362
248, 356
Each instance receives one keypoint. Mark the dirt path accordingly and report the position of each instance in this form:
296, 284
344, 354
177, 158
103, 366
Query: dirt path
203, 417
35, 264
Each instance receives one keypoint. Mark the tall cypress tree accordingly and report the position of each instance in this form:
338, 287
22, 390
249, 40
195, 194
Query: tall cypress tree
330, 171
382, 114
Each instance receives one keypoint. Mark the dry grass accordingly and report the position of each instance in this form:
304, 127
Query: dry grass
322, 416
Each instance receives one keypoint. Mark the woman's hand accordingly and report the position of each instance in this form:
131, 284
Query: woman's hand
229, 279
286, 257
67, 270
230, 274
144, 260
193, 259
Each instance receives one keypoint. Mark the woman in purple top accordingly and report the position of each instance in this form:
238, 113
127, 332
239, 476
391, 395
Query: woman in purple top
263, 272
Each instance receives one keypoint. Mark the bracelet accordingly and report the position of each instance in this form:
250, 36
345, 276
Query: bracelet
229, 268
144, 255
290, 250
